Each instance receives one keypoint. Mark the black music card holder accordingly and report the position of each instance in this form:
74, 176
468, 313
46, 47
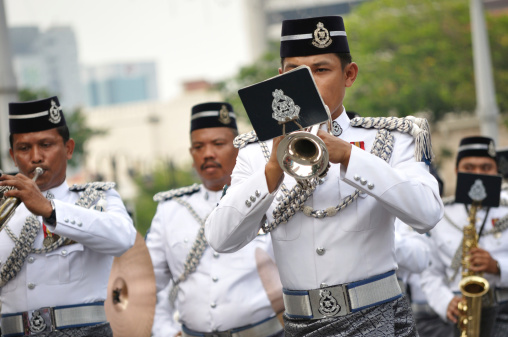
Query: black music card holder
480, 187
287, 102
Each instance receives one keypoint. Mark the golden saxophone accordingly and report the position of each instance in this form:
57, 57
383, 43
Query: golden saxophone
10, 204
472, 286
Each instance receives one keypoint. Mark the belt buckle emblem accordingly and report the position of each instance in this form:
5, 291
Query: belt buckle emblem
38, 321
328, 305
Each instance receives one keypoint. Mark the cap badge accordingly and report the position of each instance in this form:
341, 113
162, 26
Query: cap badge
284, 109
224, 115
54, 113
492, 150
321, 37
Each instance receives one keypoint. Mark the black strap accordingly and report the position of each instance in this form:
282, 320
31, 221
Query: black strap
483, 223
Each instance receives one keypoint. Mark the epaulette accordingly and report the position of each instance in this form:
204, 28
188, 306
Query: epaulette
504, 186
244, 139
177, 192
416, 127
98, 185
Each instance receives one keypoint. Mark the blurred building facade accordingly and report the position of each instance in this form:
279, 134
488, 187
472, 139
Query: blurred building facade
120, 83
47, 60
142, 135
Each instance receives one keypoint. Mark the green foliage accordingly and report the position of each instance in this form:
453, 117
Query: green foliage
164, 177
80, 132
416, 55
76, 122
413, 56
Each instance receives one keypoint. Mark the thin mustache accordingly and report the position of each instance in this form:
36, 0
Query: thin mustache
210, 161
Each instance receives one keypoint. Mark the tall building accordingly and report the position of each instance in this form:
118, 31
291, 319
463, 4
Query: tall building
47, 60
120, 83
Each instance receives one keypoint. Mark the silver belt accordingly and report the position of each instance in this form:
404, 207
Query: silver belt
342, 299
267, 327
52, 318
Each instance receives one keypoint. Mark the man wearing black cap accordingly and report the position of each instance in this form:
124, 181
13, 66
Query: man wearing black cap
440, 282
57, 249
335, 252
212, 294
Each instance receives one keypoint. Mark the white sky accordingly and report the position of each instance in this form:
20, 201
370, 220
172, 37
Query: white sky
188, 39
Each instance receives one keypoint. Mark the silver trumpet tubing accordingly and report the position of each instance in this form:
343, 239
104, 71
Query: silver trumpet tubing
9, 205
303, 155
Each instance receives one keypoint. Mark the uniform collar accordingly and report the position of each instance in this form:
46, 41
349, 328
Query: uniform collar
211, 196
343, 120
60, 191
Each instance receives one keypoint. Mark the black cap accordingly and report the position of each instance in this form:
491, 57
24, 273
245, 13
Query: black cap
213, 115
35, 116
313, 36
476, 147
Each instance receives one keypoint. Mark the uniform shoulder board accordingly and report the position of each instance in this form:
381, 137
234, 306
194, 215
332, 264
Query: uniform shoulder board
178, 192
244, 139
416, 127
104, 186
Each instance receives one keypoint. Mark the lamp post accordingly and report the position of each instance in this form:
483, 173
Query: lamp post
486, 105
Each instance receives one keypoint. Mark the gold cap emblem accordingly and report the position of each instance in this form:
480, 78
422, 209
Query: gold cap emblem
321, 36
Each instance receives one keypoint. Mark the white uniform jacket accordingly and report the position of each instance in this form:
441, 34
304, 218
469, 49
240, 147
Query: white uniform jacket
446, 238
411, 251
72, 274
353, 245
226, 291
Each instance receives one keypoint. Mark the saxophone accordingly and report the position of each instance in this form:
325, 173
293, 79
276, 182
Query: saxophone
472, 286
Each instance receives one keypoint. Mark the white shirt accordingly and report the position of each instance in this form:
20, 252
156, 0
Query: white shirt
411, 251
353, 245
446, 238
72, 274
225, 292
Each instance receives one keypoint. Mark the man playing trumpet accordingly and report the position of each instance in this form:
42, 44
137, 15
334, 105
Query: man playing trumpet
57, 248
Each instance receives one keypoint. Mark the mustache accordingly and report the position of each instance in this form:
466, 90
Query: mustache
210, 161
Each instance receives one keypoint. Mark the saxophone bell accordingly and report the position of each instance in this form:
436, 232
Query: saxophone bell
9, 205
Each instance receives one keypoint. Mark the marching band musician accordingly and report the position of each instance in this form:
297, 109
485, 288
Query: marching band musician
57, 249
210, 294
440, 282
336, 257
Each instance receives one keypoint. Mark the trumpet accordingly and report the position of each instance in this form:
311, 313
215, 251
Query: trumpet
10, 204
303, 155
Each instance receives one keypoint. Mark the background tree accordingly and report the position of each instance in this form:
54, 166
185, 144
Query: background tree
416, 55
76, 122
163, 178
413, 55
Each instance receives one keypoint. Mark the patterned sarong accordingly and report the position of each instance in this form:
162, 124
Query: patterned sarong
99, 330
394, 318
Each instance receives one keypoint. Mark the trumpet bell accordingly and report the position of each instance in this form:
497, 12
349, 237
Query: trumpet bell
303, 155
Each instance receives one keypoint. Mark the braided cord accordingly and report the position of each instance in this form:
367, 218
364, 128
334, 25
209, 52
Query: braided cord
196, 252
24, 244
294, 200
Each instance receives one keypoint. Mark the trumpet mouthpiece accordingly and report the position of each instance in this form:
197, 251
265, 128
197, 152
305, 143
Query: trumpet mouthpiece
38, 172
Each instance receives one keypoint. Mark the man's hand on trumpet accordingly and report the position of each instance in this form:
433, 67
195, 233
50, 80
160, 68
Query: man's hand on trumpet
26, 190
